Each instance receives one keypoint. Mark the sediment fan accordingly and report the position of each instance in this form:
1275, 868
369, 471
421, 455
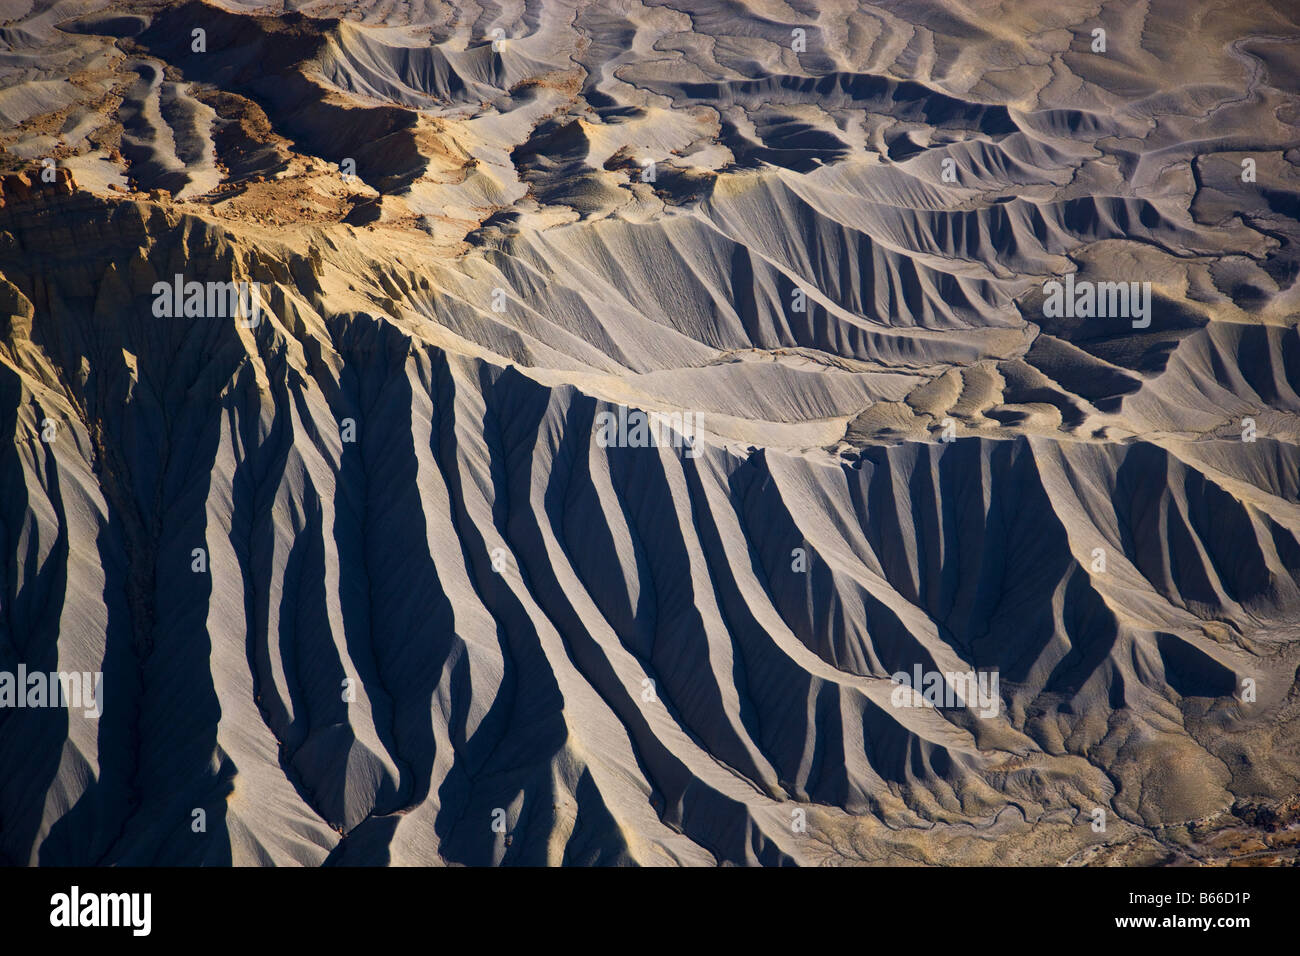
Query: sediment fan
384, 572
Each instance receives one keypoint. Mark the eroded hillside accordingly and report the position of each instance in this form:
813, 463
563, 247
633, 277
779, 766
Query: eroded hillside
366, 580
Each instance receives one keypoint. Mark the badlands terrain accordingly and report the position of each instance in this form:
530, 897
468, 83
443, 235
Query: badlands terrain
367, 575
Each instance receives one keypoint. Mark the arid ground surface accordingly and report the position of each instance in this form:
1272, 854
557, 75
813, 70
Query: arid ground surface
369, 578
